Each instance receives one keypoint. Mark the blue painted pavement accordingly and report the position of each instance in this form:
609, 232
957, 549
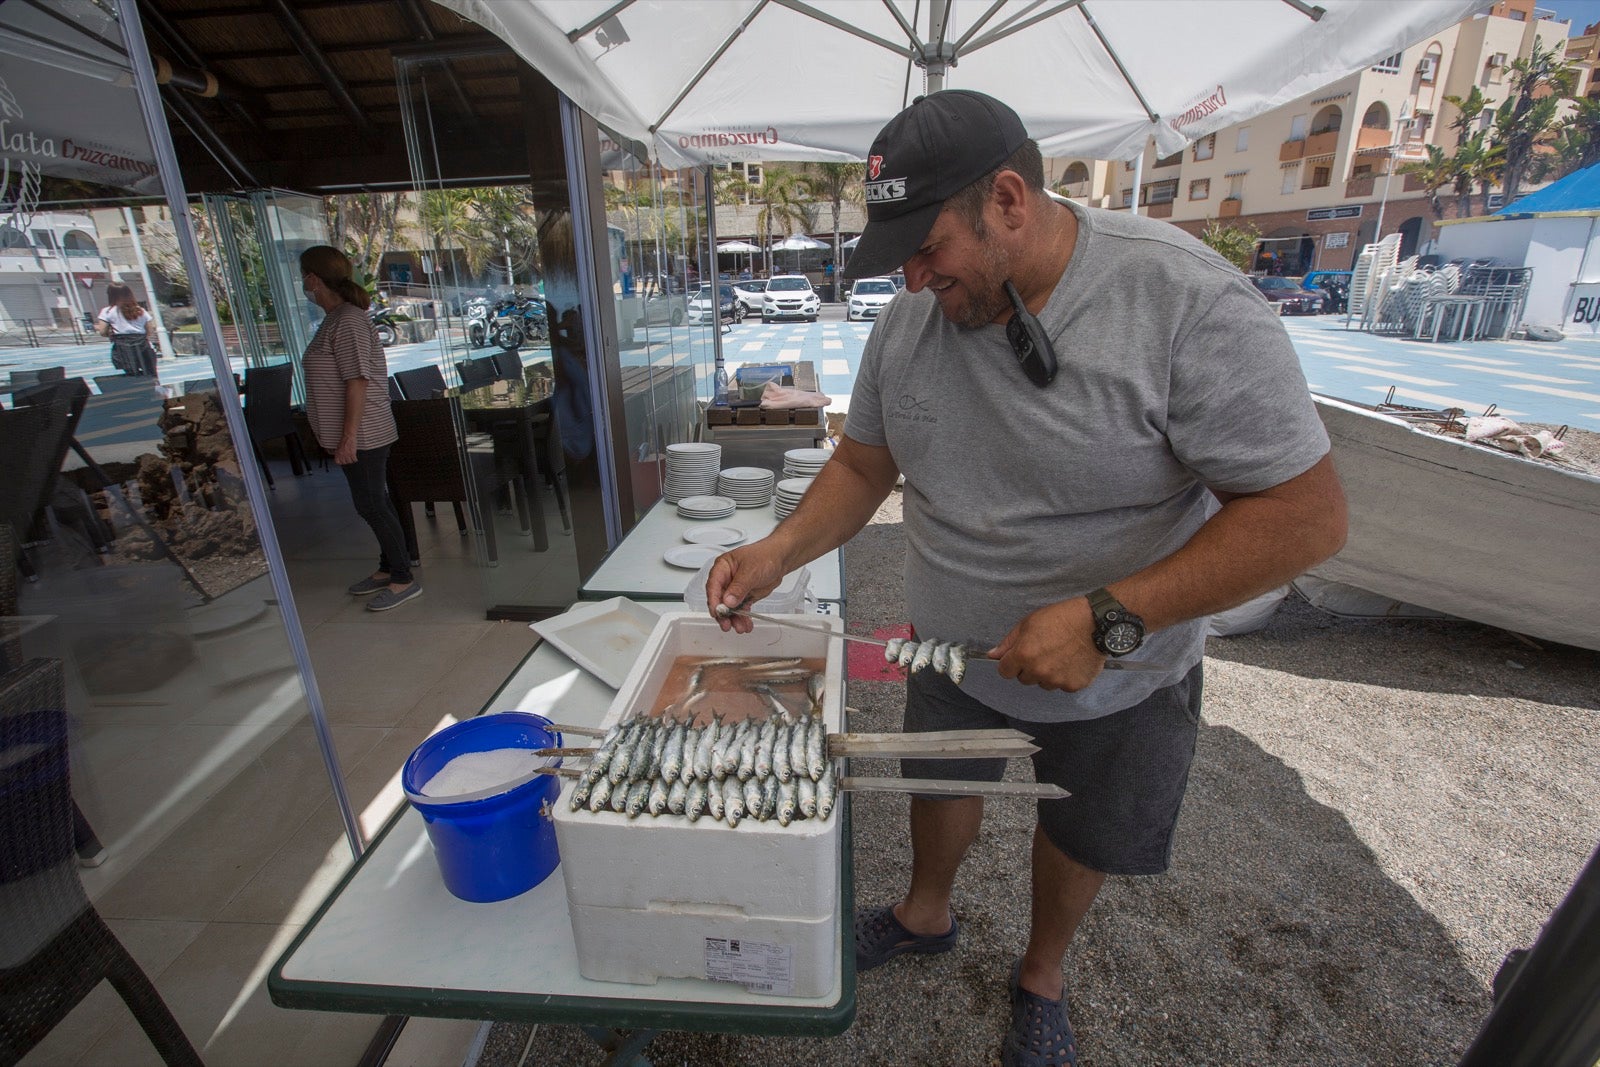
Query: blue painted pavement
1532, 382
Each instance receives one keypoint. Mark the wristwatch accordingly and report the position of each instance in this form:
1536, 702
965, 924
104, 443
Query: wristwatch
1117, 631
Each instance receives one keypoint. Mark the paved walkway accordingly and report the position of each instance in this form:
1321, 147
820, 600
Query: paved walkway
1532, 382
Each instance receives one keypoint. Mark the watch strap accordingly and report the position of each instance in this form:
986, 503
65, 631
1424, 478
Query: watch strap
1101, 601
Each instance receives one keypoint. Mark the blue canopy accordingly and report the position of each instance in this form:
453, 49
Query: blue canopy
1578, 191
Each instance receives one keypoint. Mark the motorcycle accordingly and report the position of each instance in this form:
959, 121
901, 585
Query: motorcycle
478, 311
1335, 296
518, 321
384, 322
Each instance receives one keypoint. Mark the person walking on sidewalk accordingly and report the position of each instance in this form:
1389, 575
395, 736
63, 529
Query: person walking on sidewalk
1105, 437
347, 401
130, 329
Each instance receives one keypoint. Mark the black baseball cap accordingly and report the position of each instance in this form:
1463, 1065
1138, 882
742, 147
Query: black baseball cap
929, 152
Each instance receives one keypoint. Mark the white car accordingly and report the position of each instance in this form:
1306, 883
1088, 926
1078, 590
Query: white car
700, 311
749, 293
790, 296
868, 296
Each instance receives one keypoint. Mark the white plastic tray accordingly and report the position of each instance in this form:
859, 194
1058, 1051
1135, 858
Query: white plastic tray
604, 638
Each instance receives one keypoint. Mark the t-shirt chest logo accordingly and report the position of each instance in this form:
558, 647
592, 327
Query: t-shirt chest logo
910, 408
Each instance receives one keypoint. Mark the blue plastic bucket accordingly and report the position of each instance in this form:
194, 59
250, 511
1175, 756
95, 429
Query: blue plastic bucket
499, 842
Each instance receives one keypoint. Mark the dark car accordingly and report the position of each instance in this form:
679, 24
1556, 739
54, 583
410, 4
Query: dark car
1334, 285
1287, 295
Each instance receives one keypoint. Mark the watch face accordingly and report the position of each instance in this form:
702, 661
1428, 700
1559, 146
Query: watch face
1121, 638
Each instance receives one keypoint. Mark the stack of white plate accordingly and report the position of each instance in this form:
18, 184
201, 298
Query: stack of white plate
691, 470
805, 462
705, 507
787, 495
748, 487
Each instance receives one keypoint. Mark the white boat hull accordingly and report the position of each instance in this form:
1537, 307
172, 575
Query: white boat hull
1466, 530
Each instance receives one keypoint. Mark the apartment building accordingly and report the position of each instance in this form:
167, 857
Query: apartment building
1316, 176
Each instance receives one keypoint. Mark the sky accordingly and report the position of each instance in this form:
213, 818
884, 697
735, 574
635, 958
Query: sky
1581, 12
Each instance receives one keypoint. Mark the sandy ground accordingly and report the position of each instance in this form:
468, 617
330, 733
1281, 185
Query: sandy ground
1378, 812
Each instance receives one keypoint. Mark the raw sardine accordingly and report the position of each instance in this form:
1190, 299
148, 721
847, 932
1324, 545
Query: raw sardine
958, 664
816, 750
580, 793
814, 689
619, 796
752, 798
677, 798
806, 790
672, 755
691, 744
891, 651
827, 792
732, 801
781, 767
747, 751
714, 800
765, 743
638, 797
696, 804
788, 802
702, 752
600, 795
658, 797
941, 658
769, 797
908, 652
923, 657
797, 745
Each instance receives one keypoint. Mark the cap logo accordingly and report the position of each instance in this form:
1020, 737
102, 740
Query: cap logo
884, 191
874, 166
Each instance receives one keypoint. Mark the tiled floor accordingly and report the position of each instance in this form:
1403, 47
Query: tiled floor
211, 795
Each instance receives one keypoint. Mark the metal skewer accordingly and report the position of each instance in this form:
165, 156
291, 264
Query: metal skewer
974, 655
937, 787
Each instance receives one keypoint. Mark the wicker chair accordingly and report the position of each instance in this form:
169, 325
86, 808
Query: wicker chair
421, 383
477, 373
269, 413
54, 947
425, 464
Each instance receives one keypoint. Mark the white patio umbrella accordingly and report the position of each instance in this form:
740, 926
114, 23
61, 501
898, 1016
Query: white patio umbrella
1095, 78
798, 243
739, 248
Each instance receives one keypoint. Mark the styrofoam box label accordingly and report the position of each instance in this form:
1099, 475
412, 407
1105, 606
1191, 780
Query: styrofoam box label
758, 966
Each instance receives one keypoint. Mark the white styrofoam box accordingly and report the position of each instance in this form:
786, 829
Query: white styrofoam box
799, 957
756, 868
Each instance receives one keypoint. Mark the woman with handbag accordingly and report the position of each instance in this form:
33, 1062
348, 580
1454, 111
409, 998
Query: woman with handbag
131, 330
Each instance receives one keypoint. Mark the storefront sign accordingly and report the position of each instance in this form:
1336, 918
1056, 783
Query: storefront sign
1336, 240
1350, 211
1584, 316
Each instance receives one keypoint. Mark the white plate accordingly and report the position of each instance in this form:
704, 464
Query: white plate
603, 638
726, 536
690, 557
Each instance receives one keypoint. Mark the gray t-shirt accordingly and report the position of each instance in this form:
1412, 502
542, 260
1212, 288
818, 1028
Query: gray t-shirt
1175, 375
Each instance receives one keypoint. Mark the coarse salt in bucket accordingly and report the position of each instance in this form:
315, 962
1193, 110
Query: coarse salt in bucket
496, 839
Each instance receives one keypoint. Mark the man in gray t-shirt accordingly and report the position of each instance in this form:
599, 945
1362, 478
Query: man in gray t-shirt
1080, 492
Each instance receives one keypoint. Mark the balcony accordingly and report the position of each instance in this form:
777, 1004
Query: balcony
1291, 150
1160, 211
1074, 190
1369, 137
1322, 144
1362, 186
1230, 208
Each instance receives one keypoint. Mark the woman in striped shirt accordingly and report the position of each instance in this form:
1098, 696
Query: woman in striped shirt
347, 402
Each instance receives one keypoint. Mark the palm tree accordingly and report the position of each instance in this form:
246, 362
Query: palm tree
782, 196
1577, 143
1470, 107
1477, 161
835, 183
1538, 85
1435, 172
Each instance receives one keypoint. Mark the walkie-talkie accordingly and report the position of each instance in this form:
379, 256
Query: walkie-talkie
1029, 341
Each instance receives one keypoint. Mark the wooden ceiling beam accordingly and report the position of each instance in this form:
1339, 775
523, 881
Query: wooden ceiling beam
417, 19
313, 54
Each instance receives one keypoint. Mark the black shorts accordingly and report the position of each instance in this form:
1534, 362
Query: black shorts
1126, 771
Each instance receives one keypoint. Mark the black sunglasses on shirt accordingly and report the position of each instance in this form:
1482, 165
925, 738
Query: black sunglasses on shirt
1029, 342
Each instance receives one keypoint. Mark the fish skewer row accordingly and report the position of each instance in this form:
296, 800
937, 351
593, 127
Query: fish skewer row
945, 657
